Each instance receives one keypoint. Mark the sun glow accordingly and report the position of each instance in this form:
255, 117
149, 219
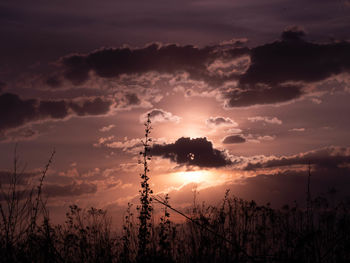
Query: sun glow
194, 176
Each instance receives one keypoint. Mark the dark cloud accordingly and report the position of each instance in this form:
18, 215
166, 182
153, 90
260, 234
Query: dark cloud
53, 82
113, 62
7, 177
293, 33
15, 112
47, 35
286, 60
132, 99
56, 190
234, 139
76, 69
74, 189
187, 151
330, 157
267, 80
96, 106
53, 109
262, 94
290, 60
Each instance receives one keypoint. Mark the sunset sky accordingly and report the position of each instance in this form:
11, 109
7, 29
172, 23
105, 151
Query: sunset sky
242, 94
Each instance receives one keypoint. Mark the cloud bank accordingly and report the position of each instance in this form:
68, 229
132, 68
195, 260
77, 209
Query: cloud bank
271, 73
15, 111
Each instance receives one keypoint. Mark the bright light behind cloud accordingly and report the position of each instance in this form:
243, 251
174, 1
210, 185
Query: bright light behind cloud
193, 176
203, 178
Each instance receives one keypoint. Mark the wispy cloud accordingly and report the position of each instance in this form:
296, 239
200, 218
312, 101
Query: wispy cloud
159, 115
271, 120
107, 128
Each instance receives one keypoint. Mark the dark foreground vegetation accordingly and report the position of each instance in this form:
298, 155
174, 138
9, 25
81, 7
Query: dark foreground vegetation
242, 232
233, 231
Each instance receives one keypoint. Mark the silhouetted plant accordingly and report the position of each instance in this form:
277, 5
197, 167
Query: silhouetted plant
86, 236
165, 231
145, 208
20, 213
128, 251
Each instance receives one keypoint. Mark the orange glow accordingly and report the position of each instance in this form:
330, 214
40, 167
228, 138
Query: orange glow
194, 176
203, 178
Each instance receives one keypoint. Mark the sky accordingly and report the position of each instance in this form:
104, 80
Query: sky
242, 95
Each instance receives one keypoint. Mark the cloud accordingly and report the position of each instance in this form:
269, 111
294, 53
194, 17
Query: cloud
110, 63
15, 112
293, 33
6, 177
247, 137
220, 122
280, 71
285, 60
187, 151
127, 145
330, 157
19, 134
271, 120
266, 138
132, 99
256, 138
229, 67
234, 130
233, 139
96, 106
271, 73
159, 115
259, 94
132, 145
53, 81
104, 140
284, 179
209, 63
276, 186
74, 189
298, 129
107, 128
28, 182
281, 180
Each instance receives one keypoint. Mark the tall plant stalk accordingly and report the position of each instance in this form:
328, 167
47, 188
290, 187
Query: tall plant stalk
145, 208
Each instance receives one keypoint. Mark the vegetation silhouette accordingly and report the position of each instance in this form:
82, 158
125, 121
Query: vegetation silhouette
144, 235
235, 230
